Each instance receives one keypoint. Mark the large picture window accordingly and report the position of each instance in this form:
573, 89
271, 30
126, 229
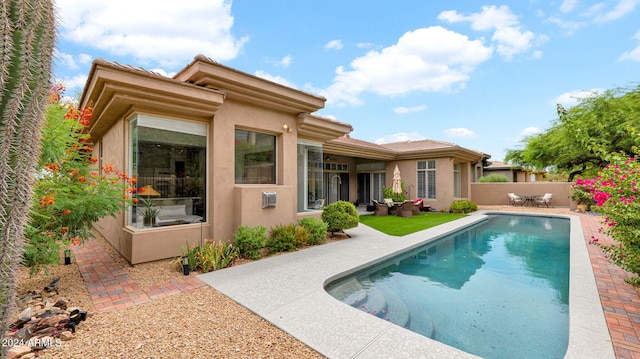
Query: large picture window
427, 179
255, 158
310, 177
168, 159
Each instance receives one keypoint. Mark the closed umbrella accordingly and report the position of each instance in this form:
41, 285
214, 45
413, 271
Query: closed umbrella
397, 186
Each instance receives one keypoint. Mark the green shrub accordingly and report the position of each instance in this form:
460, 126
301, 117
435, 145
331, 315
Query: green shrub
494, 177
340, 215
249, 241
282, 238
302, 236
462, 206
216, 255
192, 254
317, 229
396, 197
213, 255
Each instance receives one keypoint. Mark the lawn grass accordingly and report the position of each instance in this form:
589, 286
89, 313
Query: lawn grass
400, 226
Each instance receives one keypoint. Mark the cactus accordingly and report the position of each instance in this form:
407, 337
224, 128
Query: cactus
26, 51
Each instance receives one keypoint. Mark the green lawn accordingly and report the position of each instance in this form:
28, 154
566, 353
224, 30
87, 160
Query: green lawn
400, 226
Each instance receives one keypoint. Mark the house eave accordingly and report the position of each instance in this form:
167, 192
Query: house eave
320, 129
244, 87
113, 91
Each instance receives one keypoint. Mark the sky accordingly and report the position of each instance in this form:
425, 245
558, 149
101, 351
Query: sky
482, 75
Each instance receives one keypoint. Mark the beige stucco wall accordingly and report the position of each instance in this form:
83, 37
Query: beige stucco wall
496, 193
232, 204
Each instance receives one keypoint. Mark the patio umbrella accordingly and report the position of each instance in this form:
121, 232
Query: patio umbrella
397, 186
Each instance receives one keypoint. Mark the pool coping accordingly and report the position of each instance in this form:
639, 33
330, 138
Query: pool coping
288, 291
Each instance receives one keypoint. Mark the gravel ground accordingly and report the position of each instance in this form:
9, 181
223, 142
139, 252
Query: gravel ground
202, 323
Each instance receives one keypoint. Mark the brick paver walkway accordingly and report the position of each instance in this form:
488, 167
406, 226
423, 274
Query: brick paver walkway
112, 289
620, 301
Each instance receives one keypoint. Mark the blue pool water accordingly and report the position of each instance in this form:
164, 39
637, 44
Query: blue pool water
498, 289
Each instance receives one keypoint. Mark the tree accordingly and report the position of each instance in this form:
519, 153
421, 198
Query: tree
71, 193
26, 46
603, 121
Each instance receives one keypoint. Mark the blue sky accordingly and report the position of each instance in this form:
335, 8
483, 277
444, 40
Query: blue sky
482, 75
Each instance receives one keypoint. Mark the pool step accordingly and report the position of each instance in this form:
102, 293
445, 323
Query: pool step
396, 310
385, 305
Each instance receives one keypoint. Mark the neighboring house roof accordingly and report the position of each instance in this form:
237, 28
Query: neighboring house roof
498, 166
502, 166
423, 149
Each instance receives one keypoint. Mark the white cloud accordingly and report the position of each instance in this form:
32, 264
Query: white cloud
334, 45
529, 131
459, 132
427, 59
65, 59
401, 137
85, 58
622, 8
285, 61
401, 110
274, 78
633, 55
508, 34
572, 98
569, 26
163, 32
568, 5
364, 45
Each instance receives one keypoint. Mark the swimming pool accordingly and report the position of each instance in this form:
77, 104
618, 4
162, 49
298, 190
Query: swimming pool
498, 289
289, 291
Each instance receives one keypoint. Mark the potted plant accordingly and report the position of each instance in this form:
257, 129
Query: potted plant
396, 197
582, 197
149, 213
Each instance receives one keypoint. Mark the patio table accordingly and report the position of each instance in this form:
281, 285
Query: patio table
529, 199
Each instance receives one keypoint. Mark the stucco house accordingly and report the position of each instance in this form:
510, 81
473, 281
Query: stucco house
514, 173
215, 148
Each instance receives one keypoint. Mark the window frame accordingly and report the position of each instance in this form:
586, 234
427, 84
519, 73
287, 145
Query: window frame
258, 167
427, 172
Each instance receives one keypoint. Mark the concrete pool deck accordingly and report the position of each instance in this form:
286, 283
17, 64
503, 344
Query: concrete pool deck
288, 290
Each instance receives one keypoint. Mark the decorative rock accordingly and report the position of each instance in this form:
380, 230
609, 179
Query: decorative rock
26, 314
18, 351
61, 303
66, 335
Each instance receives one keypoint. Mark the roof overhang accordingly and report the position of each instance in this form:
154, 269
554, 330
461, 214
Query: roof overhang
455, 152
359, 149
115, 90
244, 87
320, 129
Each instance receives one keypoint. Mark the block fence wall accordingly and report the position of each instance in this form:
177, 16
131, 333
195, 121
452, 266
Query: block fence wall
494, 194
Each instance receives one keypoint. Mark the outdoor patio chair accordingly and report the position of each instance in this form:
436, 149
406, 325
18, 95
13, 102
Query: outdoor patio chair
515, 199
406, 209
381, 209
318, 204
417, 205
544, 200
